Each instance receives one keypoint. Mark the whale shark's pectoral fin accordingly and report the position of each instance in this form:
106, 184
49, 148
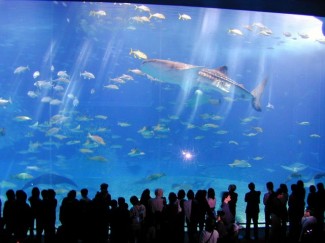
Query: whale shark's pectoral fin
257, 94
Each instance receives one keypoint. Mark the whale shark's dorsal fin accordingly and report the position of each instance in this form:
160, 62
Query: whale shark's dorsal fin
223, 69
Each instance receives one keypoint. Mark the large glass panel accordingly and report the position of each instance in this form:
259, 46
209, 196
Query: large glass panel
148, 96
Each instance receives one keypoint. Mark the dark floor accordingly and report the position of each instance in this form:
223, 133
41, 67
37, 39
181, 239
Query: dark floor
241, 238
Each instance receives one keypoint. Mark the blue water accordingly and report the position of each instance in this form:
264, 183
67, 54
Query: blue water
283, 143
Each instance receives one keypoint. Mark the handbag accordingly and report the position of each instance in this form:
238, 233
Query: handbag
209, 237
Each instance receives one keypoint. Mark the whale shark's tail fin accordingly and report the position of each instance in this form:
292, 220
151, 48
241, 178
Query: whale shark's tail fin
257, 94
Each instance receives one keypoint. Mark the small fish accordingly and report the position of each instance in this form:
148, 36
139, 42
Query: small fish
87, 75
209, 125
155, 176
99, 13
111, 86
314, 135
42, 84
52, 131
123, 124
304, 123
235, 32
233, 142
222, 132
36, 74
303, 35
184, 17
96, 139
22, 118
4, 102
199, 137
98, 158
75, 102
58, 88
287, 34
73, 142
101, 117
136, 71
269, 106
33, 167
23, 176
86, 151
138, 54
55, 102
135, 152
21, 69
258, 129
265, 33
142, 8
157, 15
32, 94
240, 164
251, 134
62, 74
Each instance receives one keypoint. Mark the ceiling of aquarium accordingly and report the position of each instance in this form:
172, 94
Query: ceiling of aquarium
146, 96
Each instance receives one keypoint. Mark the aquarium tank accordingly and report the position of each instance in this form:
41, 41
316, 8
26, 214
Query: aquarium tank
159, 96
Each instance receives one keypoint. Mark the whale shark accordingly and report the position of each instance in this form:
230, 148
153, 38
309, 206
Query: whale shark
49, 179
189, 76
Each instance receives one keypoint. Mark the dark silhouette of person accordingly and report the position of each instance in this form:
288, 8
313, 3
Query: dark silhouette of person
101, 207
157, 205
204, 208
301, 194
170, 216
120, 222
252, 198
268, 196
22, 216
191, 210
278, 213
148, 221
37, 210
319, 210
284, 197
69, 217
228, 219
85, 205
221, 227
49, 214
0, 216
9, 213
181, 215
312, 198
137, 215
212, 200
234, 198
294, 220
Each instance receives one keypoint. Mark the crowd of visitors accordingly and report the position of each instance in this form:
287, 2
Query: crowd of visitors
154, 219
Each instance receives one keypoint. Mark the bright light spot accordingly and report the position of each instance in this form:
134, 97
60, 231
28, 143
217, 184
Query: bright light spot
187, 155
